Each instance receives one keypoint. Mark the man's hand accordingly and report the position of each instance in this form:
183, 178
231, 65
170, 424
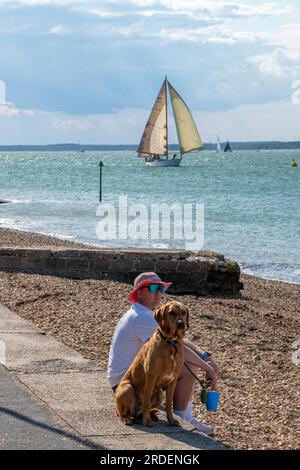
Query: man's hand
212, 362
211, 376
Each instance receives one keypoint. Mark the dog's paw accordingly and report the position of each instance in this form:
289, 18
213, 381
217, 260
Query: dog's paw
128, 421
148, 422
173, 422
154, 417
153, 414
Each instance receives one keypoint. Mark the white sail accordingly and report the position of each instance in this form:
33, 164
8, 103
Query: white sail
218, 144
188, 136
154, 139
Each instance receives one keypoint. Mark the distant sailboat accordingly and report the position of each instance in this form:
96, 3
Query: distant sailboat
218, 144
154, 143
227, 147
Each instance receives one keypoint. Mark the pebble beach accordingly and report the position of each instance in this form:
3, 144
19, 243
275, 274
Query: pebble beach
251, 336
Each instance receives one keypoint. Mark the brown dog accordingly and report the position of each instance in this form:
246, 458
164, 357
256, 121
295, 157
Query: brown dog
156, 367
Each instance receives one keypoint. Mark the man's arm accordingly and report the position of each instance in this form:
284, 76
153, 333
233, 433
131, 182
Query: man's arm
209, 359
195, 360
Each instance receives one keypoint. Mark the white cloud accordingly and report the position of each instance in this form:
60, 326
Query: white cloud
273, 121
10, 110
215, 13
20, 126
102, 13
284, 58
286, 37
193, 10
60, 29
15, 3
127, 39
219, 8
66, 124
279, 62
205, 8
215, 33
209, 34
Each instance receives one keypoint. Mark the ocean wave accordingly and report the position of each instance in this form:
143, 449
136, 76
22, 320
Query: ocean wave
7, 222
280, 271
26, 226
58, 235
20, 201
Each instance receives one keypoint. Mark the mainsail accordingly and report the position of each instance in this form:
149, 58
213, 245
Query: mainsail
227, 147
154, 139
188, 136
218, 144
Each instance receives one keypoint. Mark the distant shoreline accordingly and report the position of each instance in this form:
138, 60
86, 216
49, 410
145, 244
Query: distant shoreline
70, 147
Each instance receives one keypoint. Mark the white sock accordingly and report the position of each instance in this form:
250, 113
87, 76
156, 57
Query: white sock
180, 413
189, 410
186, 414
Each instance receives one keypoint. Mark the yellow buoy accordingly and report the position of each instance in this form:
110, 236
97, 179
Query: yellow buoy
294, 164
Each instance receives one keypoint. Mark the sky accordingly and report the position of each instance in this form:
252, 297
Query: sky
88, 72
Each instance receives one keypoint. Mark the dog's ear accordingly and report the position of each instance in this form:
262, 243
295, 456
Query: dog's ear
159, 313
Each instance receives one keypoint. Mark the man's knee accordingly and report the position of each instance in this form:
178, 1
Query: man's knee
188, 372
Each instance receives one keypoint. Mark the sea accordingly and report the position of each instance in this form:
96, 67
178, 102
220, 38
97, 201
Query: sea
250, 201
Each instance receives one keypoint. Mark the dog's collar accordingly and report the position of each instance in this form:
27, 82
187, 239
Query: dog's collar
167, 340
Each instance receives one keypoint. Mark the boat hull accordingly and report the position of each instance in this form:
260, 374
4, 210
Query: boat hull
160, 163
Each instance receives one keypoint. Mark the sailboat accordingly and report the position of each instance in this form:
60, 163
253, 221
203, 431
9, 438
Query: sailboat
218, 144
227, 147
154, 143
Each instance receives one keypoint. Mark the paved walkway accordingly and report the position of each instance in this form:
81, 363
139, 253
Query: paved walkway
53, 398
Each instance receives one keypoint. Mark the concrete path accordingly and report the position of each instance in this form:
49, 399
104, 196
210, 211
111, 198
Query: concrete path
53, 398
27, 424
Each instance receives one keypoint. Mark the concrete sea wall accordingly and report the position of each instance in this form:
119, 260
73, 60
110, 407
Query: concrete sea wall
200, 273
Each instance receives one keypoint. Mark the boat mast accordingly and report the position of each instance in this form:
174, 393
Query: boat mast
167, 150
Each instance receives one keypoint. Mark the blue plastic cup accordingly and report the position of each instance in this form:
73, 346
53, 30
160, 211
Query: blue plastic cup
212, 400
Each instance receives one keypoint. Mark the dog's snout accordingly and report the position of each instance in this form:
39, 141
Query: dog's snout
180, 324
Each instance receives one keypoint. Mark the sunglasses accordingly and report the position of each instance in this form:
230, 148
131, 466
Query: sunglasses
153, 288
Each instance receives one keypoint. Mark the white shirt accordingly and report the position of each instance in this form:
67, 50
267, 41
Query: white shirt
135, 327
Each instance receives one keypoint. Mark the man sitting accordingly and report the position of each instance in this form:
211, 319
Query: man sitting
136, 327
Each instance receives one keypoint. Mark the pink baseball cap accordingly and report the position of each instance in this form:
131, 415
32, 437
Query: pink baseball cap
146, 279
